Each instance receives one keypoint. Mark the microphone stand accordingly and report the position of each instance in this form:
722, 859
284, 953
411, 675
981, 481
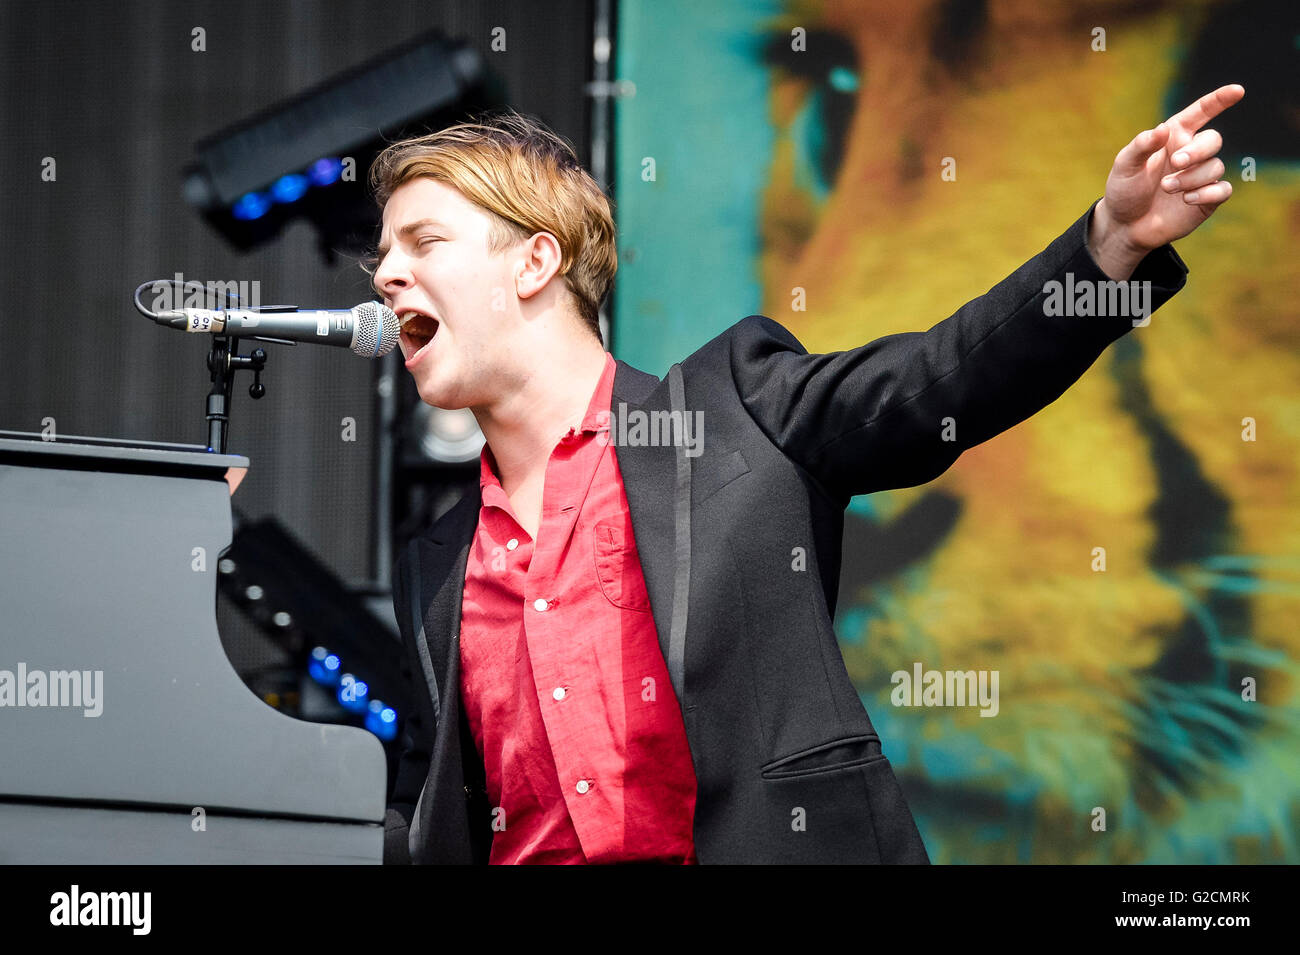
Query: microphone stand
223, 361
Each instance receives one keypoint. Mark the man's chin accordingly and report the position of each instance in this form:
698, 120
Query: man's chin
438, 389
440, 399
445, 407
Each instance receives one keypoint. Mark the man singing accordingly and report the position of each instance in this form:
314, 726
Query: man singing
621, 642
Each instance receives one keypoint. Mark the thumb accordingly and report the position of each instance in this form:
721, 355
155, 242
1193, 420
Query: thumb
1133, 157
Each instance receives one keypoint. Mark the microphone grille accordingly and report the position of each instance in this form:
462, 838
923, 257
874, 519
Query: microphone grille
376, 330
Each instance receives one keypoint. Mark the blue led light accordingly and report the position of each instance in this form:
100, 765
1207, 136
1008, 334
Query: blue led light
251, 205
324, 171
382, 720
353, 695
289, 188
323, 667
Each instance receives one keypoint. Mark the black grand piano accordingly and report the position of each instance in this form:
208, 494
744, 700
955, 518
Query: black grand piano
126, 736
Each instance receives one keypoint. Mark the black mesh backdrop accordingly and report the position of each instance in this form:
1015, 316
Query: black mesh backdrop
114, 93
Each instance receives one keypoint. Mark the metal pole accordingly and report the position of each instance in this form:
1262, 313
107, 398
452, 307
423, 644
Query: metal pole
602, 92
385, 446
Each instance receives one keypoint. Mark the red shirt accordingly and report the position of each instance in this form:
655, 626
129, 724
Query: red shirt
562, 679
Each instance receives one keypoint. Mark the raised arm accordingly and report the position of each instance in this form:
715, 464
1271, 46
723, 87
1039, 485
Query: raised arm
898, 411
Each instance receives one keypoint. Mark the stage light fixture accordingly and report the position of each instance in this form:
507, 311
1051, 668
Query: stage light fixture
308, 156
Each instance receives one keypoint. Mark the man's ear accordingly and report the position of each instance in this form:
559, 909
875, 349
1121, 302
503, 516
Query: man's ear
540, 260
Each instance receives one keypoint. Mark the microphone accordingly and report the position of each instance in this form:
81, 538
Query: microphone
369, 329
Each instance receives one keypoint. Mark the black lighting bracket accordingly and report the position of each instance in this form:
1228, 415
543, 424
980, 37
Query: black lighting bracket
250, 180
223, 361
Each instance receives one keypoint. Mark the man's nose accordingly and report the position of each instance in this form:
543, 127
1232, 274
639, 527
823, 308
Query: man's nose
391, 276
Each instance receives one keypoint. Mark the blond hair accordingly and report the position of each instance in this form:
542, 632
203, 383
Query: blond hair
528, 180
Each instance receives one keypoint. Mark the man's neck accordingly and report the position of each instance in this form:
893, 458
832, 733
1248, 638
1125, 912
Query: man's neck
523, 429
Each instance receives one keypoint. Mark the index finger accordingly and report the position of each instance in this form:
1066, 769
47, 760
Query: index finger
1209, 106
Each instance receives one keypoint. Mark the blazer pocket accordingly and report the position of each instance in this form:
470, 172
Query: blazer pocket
711, 477
618, 568
837, 754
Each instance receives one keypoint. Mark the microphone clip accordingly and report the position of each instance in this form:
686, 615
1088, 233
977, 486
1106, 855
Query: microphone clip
223, 361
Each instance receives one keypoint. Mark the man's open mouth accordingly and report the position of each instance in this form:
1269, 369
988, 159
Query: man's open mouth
417, 330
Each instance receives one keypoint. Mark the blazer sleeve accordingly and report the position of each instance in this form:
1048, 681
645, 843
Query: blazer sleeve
417, 741
898, 411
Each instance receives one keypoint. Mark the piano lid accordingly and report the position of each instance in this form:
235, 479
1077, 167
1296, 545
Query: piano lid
116, 454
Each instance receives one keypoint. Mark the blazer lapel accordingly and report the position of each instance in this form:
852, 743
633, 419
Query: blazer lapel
649, 479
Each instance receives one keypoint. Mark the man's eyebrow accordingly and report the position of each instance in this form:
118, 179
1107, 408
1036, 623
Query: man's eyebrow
407, 229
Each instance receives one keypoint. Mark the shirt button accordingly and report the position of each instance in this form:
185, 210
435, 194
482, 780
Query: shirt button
539, 604
582, 786
558, 693
512, 544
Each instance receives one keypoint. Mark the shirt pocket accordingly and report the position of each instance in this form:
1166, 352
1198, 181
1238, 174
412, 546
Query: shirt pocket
618, 568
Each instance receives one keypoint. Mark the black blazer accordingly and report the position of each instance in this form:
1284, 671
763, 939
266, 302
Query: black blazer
788, 764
